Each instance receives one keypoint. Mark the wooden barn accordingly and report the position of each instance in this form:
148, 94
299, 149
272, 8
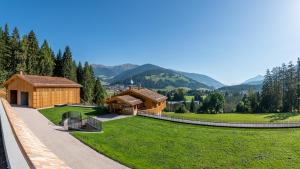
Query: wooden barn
135, 99
41, 91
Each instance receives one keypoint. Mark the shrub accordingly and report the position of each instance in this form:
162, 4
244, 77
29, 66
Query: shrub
181, 109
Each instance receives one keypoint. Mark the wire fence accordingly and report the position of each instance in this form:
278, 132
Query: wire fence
221, 124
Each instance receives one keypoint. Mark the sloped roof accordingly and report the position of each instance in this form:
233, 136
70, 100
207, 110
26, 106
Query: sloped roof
127, 99
149, 94
44, 81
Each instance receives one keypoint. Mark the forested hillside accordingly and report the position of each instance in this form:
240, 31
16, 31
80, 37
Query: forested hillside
152, 76
240, 88
23, 53
108, 72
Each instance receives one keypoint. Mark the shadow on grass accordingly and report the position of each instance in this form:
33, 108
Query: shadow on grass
97, 111
281, 116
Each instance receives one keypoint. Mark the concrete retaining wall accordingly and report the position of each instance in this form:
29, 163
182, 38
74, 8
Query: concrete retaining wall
14, 156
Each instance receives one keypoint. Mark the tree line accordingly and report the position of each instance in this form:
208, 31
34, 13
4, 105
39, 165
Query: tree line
202, 101
26, 55
280, 91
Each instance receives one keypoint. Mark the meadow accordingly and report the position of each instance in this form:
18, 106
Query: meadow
238, 117
144, 143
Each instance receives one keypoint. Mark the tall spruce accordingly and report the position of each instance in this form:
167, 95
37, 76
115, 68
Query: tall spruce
99, 93
22, 58
46, 60
88, 84
6, 53
16, 51
3, 71
68, 70
193, 107
79, 73
298, 85
58, 69
267, 93
32, 54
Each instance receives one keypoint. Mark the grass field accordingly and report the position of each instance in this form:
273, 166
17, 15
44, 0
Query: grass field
55, 114
235, 117
188, 98
149, 143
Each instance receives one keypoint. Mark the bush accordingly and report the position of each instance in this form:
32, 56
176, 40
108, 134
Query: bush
181, 109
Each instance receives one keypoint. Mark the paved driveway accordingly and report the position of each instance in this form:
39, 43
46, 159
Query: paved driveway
109, 117
66, 147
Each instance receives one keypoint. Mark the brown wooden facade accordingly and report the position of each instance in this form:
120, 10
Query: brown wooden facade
41, 91
150, 101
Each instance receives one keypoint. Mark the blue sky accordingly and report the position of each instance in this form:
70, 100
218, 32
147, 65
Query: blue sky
230, 40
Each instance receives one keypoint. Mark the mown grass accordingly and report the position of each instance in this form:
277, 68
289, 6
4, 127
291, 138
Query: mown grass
55, 114
238, 117
146, 143
188, 98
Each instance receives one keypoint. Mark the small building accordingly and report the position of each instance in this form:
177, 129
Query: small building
41, 91
137, 99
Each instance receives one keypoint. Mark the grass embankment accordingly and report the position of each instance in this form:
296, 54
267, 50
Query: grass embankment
236, 117
149, 143
55, 114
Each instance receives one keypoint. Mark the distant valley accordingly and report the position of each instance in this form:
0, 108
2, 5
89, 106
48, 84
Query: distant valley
156, 77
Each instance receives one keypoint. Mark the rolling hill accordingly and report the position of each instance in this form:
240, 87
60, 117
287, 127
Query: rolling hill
257, 80
152, 76
240, 88
203, 79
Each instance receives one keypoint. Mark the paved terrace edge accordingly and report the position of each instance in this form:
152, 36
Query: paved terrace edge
35, 152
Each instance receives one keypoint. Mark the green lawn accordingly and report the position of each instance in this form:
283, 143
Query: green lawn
144, 143
188, 98
55, 114
236, 117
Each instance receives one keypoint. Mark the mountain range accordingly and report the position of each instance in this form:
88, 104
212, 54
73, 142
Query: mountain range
255, 80
153, 76
149, 75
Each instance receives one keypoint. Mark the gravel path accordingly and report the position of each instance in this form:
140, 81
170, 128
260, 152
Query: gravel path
2, 154
222, 124
74, 153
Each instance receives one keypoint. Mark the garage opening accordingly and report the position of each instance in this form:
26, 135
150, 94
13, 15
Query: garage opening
24, 98
13, 97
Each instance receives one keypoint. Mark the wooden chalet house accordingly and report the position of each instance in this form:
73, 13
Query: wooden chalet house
135, 99
41, 91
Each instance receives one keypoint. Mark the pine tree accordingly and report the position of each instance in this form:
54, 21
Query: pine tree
68, 70
99, 93
16, 51
88, 84
22, 57
193, 107
46, 62
79, 73
3, 71
298, 84
74, 71
32, 54
6, 52
291, 90
266, 102
58, 69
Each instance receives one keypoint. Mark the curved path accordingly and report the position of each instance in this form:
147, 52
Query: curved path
76, 154
224, 124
